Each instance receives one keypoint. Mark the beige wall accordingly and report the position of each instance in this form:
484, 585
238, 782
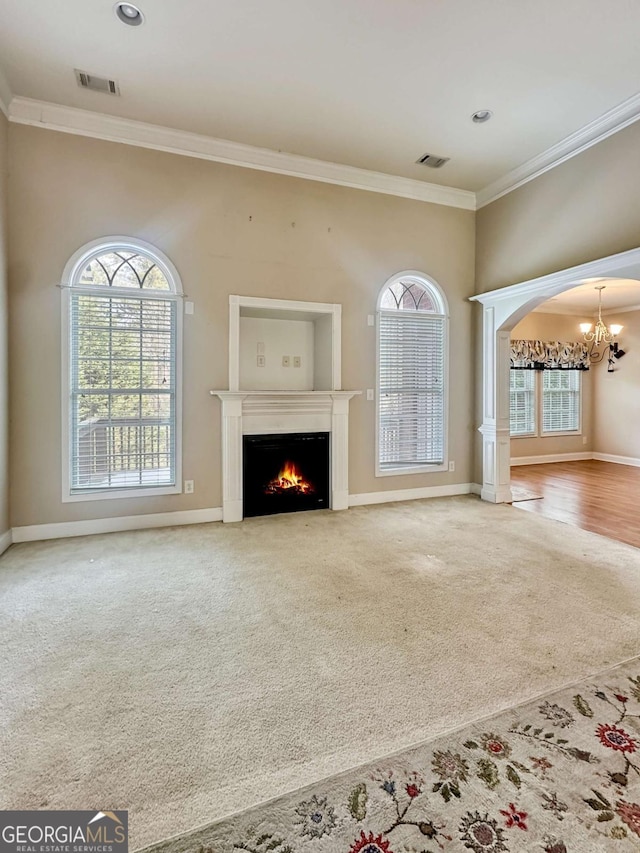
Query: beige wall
227, 230
617, 395
585, 209
556, 327
4, 330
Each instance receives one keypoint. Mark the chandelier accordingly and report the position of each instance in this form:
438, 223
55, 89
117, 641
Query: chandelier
602, 335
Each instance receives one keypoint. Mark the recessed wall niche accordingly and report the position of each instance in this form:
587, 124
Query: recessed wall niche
280, 345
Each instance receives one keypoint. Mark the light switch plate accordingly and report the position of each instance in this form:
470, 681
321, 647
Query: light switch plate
286, 361
297, 361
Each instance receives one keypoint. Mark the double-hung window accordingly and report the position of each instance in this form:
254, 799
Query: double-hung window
561, 401
412, 388
544, 402
121, 320
522, 402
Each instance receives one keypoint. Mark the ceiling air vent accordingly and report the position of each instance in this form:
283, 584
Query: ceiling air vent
96, 84
432, 160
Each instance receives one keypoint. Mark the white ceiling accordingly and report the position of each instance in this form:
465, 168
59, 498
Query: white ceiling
618, 295
367, 83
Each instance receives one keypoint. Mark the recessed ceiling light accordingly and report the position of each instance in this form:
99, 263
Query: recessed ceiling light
480, 116
129, 14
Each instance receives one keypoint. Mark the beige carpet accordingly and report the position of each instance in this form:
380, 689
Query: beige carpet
188, 673
560, 774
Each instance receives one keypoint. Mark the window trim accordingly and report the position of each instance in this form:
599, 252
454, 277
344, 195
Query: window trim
73, 267
436, 291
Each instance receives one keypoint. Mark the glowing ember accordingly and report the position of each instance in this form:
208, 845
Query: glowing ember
291, 480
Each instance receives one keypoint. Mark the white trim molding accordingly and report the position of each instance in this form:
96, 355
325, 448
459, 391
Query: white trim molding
156, 137
5, 95
130, 132
292, 309
502, 309
394, 495
64, 529
618, 460
70, 281
269, 412
575, 457
6, 539
95, 526
545, 459
586, 137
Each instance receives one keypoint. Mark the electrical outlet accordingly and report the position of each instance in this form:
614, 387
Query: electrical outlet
297, 361
188, 487
286, 361
369, 393
584, 439
260, 361
452, 466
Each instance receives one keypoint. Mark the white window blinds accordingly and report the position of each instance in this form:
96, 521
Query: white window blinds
411, 426
123, 391
522, 402
560, 401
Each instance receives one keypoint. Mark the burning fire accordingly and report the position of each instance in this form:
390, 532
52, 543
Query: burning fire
289, 478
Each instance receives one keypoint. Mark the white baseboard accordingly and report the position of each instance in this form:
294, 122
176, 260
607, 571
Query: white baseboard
5, 540
411, 494
619, 460
64, 529
476, 488
61, 530
551, 457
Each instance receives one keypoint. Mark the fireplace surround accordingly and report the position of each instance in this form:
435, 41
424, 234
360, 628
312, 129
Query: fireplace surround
304, 402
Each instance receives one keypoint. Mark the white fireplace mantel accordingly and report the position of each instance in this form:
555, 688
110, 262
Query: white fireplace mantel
269, 412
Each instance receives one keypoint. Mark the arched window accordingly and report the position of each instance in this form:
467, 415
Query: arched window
121, 330
412, 362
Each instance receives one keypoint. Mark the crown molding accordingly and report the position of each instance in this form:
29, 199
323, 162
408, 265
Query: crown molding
591, 134
143, 135
5, 95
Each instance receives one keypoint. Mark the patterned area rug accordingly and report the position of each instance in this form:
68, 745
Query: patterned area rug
560, 774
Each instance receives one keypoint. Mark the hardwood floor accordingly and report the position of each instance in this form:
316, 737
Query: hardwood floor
599, 496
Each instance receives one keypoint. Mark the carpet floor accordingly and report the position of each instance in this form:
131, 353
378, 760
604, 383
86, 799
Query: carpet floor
187, 673
560, 775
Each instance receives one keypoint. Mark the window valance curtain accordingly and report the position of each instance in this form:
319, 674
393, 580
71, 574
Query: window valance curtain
549, 355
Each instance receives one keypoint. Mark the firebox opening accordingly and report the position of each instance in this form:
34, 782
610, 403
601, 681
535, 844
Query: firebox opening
285, 473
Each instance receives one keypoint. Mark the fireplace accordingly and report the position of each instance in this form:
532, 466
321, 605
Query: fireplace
285, 473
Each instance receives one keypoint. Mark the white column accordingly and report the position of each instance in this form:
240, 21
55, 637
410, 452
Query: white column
496, 439
232, 459
340, 453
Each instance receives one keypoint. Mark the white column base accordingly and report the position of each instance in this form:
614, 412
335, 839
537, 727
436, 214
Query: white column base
232, 511
501, 495
340, 499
